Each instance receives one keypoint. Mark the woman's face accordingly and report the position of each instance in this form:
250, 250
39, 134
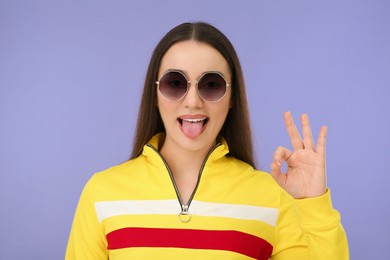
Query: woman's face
192, 123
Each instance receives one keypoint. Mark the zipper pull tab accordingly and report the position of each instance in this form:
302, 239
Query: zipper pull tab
184, 215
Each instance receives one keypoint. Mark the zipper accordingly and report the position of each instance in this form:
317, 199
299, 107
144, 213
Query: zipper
184, 215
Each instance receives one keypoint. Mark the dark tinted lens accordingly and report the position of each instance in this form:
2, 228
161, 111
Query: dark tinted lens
212, 87
173, 85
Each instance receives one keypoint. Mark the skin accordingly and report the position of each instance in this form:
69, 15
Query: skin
194, 59
306, 164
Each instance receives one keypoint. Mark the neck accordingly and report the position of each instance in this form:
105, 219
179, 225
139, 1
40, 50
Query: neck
183, 161
185, 166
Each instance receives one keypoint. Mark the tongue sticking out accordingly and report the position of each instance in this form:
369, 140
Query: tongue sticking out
192, 129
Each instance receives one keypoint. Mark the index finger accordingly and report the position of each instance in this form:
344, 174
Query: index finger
306, 132
321, 142
293, 132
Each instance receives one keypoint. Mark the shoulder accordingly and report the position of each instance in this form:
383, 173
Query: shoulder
116, 178
121, 170
246, 171
255, 186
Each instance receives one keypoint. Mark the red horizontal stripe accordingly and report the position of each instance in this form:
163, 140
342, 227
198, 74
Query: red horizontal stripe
227, 240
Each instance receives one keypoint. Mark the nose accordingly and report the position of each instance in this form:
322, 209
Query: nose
192, 99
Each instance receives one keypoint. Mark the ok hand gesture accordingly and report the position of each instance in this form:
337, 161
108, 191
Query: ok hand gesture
306, 165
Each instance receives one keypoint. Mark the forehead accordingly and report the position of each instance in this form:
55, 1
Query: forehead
193, 58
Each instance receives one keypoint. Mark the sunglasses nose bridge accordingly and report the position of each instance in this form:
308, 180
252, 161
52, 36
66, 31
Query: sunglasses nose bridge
192, 82
195, 85
192, 97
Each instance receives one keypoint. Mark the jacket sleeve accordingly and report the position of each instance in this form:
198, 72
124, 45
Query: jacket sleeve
309, 229
87, 239
321, 224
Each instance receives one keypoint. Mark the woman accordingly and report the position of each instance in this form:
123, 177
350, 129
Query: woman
190, 189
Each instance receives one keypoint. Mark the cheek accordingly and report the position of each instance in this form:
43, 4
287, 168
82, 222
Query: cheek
221, 112
161, 102
166, 109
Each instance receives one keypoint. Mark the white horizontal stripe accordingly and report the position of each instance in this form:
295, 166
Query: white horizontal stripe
106, 209
267, 215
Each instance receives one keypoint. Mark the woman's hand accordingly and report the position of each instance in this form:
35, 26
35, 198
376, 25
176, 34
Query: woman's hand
306, 172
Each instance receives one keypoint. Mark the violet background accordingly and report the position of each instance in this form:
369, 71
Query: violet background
71, 74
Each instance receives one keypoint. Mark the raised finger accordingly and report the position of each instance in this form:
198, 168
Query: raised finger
293, 132
306, 131
321, 142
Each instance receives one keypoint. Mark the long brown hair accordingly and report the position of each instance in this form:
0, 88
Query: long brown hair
236, 129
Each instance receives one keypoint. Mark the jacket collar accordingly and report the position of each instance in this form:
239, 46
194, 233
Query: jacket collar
151, 150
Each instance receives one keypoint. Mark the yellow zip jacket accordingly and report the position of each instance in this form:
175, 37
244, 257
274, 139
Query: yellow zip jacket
133, 211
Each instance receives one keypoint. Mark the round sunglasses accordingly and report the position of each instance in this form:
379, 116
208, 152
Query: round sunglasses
174, 85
